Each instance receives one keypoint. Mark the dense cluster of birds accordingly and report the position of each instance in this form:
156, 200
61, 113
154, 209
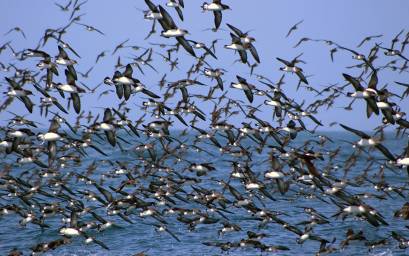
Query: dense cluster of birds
64, 172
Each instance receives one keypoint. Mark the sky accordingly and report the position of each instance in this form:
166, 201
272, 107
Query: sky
345, 22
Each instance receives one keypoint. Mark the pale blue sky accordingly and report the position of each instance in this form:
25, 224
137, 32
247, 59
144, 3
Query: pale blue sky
346, 22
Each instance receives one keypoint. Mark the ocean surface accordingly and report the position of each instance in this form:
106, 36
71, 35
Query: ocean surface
128, 239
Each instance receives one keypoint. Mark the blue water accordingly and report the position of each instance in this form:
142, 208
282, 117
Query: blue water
129, 239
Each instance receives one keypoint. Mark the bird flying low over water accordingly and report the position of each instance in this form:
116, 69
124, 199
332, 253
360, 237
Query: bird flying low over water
368, 94
126, 85
367, 140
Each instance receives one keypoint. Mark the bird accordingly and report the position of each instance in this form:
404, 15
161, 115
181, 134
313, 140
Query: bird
90, 28
294, 27
246, 87
366, 93
290, 66
367, 140
240, 38
171, 30
367, 39
217, 7
18, 30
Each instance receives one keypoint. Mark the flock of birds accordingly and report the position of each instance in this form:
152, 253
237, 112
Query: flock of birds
44, 177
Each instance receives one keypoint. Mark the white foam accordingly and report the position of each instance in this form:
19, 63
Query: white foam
388, 252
